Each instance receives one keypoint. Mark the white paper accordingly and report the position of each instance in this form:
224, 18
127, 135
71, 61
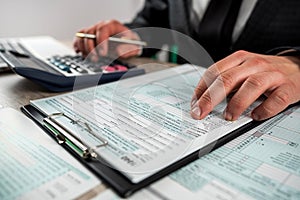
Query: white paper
263, 163
34, 166
146, 119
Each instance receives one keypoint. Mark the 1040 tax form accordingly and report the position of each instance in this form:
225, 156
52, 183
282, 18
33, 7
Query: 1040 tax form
145, 120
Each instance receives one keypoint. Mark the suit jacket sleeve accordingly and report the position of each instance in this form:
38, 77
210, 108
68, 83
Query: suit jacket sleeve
155, 13
285, 51
277, 32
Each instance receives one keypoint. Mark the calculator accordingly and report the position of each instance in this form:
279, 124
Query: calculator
56, 67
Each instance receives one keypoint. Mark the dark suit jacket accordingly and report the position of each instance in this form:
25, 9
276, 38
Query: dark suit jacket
273, 24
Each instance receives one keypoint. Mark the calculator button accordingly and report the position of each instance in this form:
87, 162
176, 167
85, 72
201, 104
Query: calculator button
82, 65
2, 47
51, 60
73, 66
17, 48
7, 47
56, 63
80, 70
120, 68
108, 69
64, 67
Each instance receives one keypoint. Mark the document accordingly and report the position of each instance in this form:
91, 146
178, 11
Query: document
263, 163
33, 166
146, 120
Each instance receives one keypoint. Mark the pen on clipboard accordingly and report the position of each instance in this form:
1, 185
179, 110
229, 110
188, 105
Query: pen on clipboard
113, 39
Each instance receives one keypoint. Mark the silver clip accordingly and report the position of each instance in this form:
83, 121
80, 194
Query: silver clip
63, 135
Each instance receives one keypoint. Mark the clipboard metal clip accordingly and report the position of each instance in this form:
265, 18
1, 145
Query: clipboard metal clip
64, 136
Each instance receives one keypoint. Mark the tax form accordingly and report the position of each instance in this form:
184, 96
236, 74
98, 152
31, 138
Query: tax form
263, 163
146, 119
33, 166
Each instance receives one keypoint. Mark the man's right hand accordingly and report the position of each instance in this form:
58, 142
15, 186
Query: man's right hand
99, 46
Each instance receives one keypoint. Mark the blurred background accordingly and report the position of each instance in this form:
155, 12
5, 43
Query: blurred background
60, 18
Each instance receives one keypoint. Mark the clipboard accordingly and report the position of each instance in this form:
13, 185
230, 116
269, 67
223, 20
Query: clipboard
112, 177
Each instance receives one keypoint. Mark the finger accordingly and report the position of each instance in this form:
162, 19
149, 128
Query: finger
250, 91
279, 99
233, 60
274, 104
90, 43
98, 33
106, 30
83, 45
226, 83
102, 36
127, 50
75, 45
215, 70
277, 102
79, 43
207, 79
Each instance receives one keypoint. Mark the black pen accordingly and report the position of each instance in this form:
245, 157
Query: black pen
113, 39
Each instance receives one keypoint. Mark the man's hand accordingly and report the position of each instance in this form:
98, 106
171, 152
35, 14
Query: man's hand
249, 75
99, 46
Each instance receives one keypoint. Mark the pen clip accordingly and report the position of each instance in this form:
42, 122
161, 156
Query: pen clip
63, 135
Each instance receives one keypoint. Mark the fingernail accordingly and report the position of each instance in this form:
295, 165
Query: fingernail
228, 116
255, 117
193, 102
196, 110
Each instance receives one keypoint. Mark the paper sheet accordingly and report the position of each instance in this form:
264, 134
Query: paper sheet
263, 163
145, 119
34, 166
